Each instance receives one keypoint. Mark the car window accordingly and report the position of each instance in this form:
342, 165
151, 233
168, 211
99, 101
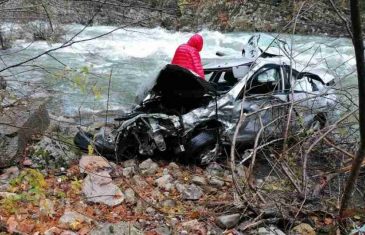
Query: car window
266, 80
303, 84
208, 75
307, 83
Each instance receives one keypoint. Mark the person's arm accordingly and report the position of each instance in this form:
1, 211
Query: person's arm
198, 64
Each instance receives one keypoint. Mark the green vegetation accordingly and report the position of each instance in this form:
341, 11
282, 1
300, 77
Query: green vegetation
30, 186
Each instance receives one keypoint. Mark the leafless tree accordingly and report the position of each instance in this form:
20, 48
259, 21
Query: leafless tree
360, 64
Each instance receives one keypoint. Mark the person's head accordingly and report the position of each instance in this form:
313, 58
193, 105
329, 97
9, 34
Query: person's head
196, 41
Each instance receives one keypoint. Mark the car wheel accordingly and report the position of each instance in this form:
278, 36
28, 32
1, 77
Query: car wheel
83, 139
202, 148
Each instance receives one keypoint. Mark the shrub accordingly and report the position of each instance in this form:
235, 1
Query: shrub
40, 30
6, 40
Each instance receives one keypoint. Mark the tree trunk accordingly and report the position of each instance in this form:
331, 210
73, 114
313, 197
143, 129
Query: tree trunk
360, 64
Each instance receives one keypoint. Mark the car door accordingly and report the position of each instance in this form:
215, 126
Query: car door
303, 93
262, 98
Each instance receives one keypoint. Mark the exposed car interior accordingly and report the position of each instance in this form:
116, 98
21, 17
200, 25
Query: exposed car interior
225, 79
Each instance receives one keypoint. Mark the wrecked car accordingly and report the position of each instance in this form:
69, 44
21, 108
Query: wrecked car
195, 118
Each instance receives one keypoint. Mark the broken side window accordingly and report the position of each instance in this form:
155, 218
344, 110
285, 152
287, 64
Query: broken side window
266, 80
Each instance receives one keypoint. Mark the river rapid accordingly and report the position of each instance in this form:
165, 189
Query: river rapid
130, 58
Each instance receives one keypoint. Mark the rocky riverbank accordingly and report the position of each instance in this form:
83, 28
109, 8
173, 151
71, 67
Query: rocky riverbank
131, 197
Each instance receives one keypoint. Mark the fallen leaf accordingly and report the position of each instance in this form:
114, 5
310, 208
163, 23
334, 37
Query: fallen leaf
12, 224
26, 226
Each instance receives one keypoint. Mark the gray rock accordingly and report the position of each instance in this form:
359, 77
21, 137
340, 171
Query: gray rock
199, 180
53, 153
64, 125
213, 229
121, 228
169, 203
130, 196
148, 167
156, 194
228, 221
24, 120
272, 230
163, 230
150, 210
139, 181
164, 182
192, 192
53, 231
194, 227
128, 172
68, 232
214, 169
71, 217
9, 174
139, 208
130, 163
94, 164
173, 166
99, 188
165, 171
180, 187
174, 222
214, 181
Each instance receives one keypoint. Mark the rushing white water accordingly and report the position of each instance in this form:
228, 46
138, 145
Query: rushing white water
134, 56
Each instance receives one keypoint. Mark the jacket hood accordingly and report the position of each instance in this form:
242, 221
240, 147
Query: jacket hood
196, 41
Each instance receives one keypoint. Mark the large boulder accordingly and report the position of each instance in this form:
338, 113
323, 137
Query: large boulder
54, 152
18, 123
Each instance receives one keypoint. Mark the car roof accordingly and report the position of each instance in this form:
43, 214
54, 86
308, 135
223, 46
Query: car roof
227, 63
298, 65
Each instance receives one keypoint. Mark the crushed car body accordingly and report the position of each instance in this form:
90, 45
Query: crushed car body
194, 118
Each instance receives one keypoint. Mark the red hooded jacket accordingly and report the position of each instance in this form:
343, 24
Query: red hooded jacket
187, 55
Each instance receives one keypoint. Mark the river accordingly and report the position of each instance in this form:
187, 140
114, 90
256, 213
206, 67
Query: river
133, 56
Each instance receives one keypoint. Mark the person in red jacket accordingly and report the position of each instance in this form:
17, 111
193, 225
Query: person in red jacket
187, 55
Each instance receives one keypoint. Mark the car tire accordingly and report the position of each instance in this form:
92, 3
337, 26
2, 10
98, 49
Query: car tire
199, 146
82, 140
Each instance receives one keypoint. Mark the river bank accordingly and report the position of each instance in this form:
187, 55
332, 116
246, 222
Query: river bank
308, 17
